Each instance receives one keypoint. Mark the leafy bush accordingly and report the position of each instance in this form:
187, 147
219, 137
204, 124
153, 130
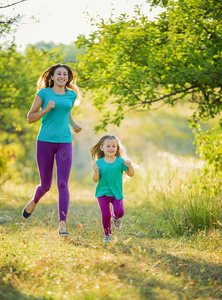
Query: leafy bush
6, 156
191, 210
197, 205
209, 148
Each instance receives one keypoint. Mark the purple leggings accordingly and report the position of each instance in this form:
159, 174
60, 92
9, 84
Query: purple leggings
118, 211
45, 154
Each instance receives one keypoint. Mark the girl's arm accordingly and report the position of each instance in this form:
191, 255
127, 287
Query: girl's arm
35, 113
130, 170
77, 128
96, 173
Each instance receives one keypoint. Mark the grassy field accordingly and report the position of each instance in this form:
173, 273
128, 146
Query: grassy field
151, 258
144, 261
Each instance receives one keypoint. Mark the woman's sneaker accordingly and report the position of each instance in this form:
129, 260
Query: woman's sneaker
107, 238
117, 223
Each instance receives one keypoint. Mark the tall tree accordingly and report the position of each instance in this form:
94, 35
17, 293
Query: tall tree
140, 62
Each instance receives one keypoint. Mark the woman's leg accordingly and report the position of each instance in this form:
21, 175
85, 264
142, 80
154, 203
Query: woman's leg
104, 204
45, 159
64, 163
45, 154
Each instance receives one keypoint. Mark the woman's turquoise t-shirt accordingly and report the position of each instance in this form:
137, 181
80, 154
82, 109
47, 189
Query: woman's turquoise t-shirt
111, 178
55, 123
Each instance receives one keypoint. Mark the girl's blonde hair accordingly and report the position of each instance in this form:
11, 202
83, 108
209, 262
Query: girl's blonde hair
97, 153
46, 80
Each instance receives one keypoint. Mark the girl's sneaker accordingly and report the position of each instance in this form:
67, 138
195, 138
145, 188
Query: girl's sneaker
107, 238
117, 223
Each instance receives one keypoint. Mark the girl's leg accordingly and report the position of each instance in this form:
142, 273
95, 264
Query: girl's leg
64, 163
118, 212
104, 203
118, 208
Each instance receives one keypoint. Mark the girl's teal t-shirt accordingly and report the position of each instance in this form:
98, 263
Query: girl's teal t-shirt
55, 123
111, 178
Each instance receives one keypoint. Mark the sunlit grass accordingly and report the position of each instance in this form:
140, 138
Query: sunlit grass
150, 258
144, 261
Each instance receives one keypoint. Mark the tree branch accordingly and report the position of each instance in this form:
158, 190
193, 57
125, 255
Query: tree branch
8, 5
126, 87
10, 21
166, 96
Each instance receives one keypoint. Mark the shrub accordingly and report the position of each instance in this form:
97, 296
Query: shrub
6, 156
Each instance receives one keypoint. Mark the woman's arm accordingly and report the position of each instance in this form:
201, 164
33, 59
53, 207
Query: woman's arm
96, 173
35, 113
77, 128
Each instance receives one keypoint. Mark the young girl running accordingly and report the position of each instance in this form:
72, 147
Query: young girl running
56, 96
108, 172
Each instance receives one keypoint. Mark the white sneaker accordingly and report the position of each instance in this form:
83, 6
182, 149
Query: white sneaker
117, 223
107, 238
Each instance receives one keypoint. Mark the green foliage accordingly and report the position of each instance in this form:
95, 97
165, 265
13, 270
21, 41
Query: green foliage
69, 52
192, 208
139, 62
158, 2
209, 148
18, 78
194, 203
6, 156
6, 24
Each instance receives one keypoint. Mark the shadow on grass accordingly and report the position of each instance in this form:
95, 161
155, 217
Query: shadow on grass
9, 292
153, 268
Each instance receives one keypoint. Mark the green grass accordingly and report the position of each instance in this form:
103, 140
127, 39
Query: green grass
144, 261
151, 258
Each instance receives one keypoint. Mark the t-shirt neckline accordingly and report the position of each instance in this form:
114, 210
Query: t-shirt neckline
58, 94
108, 162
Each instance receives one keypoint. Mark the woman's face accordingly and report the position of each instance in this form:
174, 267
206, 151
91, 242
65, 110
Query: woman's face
60, 77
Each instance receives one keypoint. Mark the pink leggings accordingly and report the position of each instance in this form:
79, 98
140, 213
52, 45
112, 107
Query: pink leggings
46, 153
118, 211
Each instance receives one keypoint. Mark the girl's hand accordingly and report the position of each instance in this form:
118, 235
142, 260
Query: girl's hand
50, 105
128, 163
130, 170
77, 128
96, 173
96, 168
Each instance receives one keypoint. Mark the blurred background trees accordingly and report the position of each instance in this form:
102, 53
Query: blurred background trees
126, 64
141, 62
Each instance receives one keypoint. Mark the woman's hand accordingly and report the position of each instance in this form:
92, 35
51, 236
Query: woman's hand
35, 113
50, 105
77, 128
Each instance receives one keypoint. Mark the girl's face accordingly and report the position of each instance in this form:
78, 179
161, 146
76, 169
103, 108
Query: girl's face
109, 147
60, 77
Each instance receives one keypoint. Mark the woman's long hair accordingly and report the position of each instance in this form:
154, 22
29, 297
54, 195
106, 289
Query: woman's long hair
46, 80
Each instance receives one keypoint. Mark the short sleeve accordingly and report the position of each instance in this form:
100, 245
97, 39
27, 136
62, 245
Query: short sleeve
124, 167
41, 94
74, 96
